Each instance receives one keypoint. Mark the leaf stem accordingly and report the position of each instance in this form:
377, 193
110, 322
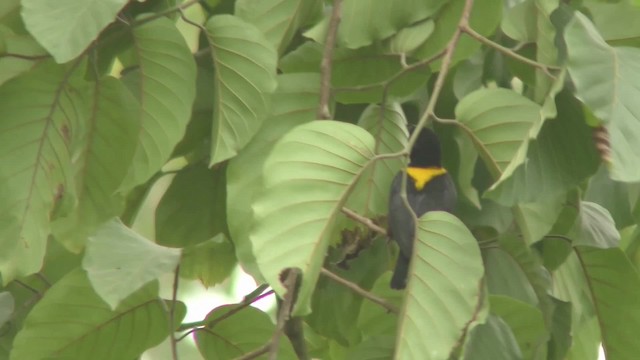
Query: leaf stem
172, 311
360, 291
363, 220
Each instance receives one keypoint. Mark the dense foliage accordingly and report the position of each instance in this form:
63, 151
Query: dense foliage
272, 129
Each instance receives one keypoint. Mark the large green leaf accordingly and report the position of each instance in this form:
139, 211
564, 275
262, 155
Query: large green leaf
294, 103
211, 261
617, 197
165, 88
375, 348
506, 277
72, 322
373, 319
493, 340
606, 81
526, 323
359, 76
555, 162
614, 286
101, 166
388, 126
484, 19
500, 122
242, 332
119, 261
615, 21
308, 177
65, 28
445, 287
245, 73
13, 43
277, 19
518, 24
366, 21
192, 210
38, 134
596, 227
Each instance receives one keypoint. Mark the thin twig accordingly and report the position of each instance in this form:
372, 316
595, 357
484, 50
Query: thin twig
327, 60
505, 50
28, 287
363, 220
172, 311
212, 322
290, 283
182, 6
360, 291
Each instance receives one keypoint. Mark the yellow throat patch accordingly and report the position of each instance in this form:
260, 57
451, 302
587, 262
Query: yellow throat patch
421, 176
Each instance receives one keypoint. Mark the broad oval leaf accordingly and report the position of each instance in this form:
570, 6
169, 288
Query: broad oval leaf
211, 261
445, 287
227, 337
308, 177
500, 122
66, 27
493, 340
102, 166
36, 140
614, 285
166, 91
606, 81
293, 103
72, 322
245, 74
597, 227
119, 261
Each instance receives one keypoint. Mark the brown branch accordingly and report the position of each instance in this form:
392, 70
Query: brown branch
477, 36
327, 59
364, 220
172, 311
291, 284
360, 291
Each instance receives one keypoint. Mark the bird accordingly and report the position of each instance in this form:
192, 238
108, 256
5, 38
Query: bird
429, 188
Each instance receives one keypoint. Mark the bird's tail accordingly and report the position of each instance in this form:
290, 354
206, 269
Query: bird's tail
399, 278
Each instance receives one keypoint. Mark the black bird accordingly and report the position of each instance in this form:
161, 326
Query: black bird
429, 188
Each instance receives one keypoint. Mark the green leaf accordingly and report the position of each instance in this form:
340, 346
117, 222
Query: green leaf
192, 210
211, 261
36, 141
373, 319
500, 122
605, 79
409, 38
615, 22
359, 76
278, 20
597, 228
518, 23
506, 277
102, 166
229, 338
166, 90
537, 218
375, 348
119, 261
366, 21
13, 43
614, 196
492, 340
389, 127
561, 338
555, 162
445, 287
526, 323
7, 305
614, 286
465, 173
65, 28
328, 157
294, 103
586, 342
245, 73
483, 19
72, 322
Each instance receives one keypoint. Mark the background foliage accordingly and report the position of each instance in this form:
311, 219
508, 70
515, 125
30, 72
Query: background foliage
534, 101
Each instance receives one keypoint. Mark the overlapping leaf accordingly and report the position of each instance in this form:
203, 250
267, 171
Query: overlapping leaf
106, 154
211, 261
38, 134
165, 88
65, 28
493, 340
308, 177
294, 103
446, 260
245, 75
72, 322
119, 261
606, 81
500, 123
